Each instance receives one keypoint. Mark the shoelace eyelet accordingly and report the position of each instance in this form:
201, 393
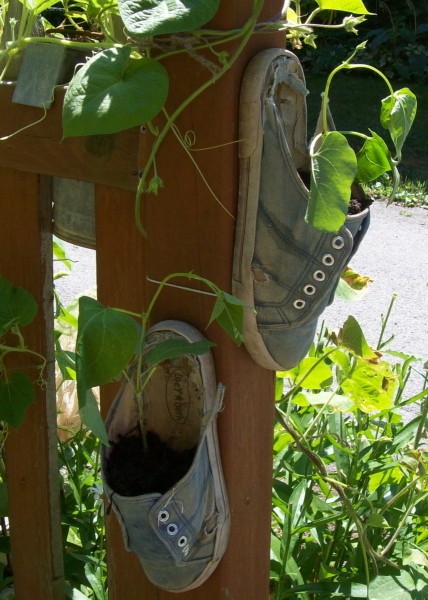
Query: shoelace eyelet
319, 275
172, 529
299, 304
338, 242
309, 289
163, 516
328, 260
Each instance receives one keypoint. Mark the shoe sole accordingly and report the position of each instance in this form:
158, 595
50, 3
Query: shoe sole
255, 81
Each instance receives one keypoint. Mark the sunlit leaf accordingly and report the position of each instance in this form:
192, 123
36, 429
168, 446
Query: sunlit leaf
314, 374
333, 169
16, 395
351, 6
37, 6
336, 402
371, 387
373, 159
397, 115
160, 17
113, 92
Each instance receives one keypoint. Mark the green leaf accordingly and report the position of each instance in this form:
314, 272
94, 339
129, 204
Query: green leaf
59, 254
392, 587
376, 520
338, 402
159, 17
228, 311
176, 348
333, 169
370, 387
16, 395
106, 342
373, 159
90, 415
113, 92
350, 6
16, 305
37, 6
352, 337
397, 115
314, 374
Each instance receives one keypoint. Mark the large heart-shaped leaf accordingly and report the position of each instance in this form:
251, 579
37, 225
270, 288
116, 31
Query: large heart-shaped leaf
397, 115
16, 304
15, 397
160, 17
333, 169
106, 342
113, 92
374, 159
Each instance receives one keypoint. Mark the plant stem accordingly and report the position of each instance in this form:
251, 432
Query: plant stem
142, 185
424, 416
385, 321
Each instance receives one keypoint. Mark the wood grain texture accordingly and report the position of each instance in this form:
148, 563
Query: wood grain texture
189, 231
31, 451
110, 159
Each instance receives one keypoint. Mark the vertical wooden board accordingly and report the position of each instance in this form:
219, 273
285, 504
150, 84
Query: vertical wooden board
31, 452
189, 231
120, 283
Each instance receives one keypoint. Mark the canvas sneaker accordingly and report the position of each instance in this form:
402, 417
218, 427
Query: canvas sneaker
284, 269
181, 531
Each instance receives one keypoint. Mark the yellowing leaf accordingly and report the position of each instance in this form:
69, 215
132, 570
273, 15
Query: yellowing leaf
355, 280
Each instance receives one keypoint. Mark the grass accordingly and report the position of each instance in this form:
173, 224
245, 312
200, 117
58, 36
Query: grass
355, 102
411, 192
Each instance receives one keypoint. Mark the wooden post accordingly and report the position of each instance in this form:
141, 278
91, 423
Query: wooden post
31, 452
189, 231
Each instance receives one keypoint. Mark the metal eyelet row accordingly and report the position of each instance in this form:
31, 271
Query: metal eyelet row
172, 530
319, 275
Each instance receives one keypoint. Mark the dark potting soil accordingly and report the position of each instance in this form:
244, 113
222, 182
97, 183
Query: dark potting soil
356, 205
131, 471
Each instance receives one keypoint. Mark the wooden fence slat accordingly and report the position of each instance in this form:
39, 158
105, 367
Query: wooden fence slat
110, 159
31, 451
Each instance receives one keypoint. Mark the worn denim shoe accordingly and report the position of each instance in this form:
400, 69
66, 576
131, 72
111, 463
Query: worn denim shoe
179, 533
283, 267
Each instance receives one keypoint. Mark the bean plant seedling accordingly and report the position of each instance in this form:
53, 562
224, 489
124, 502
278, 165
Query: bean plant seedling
110, 339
